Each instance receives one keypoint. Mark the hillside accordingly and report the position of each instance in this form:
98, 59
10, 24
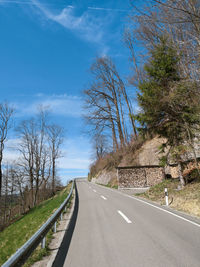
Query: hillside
138, 153
15, 235
144, 154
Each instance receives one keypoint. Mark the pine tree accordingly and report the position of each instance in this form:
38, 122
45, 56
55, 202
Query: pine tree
169, 104
160, 72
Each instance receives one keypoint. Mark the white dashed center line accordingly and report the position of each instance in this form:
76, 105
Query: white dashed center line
103, 197
124, 217
94, 190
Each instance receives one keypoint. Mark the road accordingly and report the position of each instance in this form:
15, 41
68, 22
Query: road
115, 230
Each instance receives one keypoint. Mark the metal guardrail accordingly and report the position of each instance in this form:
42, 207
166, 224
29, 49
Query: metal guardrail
25, 251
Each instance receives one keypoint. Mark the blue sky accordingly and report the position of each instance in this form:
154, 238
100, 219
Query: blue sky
46, 49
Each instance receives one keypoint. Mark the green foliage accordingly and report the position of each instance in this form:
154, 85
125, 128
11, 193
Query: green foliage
170, 104
162, 66
157, 192
160, 72
39, 252
15, 235
163, 161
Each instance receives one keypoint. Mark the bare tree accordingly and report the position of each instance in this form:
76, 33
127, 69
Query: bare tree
21, 182
103, 73
100, 145
130, 43
100, 111
6, 113
26, 182
27, 134
107, 103
34, 153
178, 21
55, 139
123, 94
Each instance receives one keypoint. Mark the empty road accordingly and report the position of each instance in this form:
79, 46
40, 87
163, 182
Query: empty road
115, 230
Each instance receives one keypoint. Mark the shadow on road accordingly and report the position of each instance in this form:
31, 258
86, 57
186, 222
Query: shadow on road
64, 247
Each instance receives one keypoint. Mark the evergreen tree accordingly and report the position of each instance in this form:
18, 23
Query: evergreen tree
169, 104
160, 72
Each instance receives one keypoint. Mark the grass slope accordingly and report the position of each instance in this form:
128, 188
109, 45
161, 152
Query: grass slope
15, 235
186, 199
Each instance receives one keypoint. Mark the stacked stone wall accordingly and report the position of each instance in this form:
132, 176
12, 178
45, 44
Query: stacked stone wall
154, 175
138, 177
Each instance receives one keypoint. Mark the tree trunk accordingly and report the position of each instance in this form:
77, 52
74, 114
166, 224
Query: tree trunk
123, 90
182, 181
119, 126
1, 179
118, 120
193, 149
123, 122
115, 143
53, 176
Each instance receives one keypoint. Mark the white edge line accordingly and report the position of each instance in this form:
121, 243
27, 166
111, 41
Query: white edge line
169, 212
103, 197
124, 216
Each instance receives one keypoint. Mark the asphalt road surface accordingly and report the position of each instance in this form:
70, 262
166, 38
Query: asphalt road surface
116, 230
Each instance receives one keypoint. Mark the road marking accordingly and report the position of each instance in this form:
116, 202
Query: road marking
124, 216
90, 187
103, 197
169, 212
94, 190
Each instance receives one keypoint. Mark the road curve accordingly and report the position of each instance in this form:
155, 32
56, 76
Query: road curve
115, 230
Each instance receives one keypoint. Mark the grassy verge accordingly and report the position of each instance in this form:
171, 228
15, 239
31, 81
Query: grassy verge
109, 185
112, 186
14, 236
186, 200
113, 183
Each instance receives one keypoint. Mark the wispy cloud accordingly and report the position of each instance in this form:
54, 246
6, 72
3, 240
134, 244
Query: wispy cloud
31, 3
87, 26
108, 9
91, 25
64, 105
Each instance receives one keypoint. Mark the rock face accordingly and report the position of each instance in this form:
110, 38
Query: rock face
105, 177
139, 177
145, 170
148, 154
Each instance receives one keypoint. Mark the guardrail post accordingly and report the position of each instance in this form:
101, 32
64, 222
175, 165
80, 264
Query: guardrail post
166, 197
65, 208
43, 243
61, 216
54, 227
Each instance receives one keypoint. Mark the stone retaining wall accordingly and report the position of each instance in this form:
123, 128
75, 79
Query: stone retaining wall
139, 176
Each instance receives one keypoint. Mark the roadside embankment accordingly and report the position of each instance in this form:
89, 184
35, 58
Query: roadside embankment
15, 235
108, 178
186, 199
